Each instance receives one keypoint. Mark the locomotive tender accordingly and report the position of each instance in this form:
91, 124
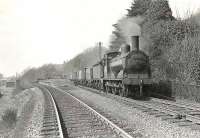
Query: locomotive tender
126, 73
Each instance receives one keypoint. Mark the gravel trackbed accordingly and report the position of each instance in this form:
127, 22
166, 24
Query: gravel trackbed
145, 125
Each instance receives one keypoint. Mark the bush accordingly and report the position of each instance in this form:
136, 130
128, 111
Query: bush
25, 84
162, 89
10, 117
173, 48
1, 94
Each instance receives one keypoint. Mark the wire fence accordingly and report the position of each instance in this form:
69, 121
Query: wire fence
176, 90
186, 91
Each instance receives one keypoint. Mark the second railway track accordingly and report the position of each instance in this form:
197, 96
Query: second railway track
182, 114
78, 119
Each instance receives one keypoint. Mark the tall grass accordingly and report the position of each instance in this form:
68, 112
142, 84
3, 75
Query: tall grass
174, 48
10, 117
1, 95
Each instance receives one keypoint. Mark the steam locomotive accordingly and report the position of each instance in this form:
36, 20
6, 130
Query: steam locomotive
126, 73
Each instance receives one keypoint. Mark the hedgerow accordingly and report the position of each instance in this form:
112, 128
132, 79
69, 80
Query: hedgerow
168, 37
173, 43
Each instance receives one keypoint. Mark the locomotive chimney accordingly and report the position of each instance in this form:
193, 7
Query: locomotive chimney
135, 42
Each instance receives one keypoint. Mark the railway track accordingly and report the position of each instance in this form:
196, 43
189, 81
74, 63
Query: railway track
182, 114
51, 119
77, 119
188, 111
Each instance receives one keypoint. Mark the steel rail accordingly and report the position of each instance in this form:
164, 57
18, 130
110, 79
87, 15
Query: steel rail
157, 108
179, 104
118, 130
57, 115
168, 111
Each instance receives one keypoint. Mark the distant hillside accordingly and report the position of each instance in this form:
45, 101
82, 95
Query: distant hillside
87, 58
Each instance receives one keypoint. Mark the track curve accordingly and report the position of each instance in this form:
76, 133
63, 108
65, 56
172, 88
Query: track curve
80, 120
183, 114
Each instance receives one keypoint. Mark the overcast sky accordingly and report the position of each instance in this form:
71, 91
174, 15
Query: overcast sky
34, 32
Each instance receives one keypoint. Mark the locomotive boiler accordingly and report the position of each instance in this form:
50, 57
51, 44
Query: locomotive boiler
126, 73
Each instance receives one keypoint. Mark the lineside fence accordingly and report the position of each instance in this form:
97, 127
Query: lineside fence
186, 91
176, 90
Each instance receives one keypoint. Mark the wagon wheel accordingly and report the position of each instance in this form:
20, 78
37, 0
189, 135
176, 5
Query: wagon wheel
106, 89
109, 89
101, 86
139, 90
117, 90
136, 92
121, 90
114, 90
125, 91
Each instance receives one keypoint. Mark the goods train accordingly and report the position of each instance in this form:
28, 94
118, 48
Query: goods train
126, 73
8, 83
